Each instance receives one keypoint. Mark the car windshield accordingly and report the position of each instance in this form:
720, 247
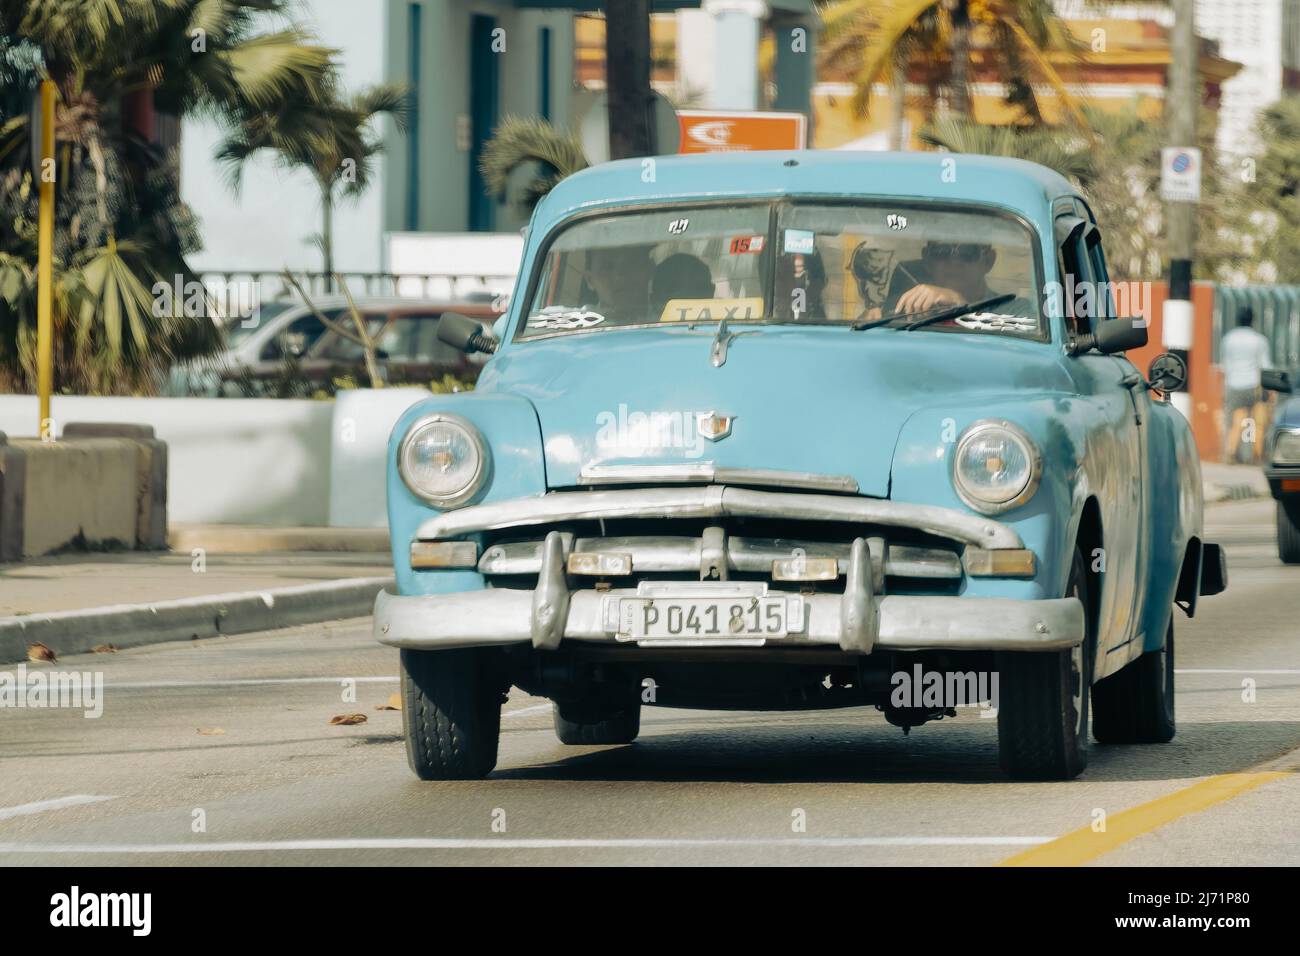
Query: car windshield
788, 263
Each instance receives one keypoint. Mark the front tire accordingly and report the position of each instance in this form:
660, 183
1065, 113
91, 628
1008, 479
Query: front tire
1043, 705
1288, 530
575, 727
1136, 705
451, 713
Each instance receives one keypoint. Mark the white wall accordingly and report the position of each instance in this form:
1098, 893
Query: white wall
230, 460
266, 226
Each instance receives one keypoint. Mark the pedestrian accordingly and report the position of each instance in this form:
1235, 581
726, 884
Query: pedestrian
1243, 354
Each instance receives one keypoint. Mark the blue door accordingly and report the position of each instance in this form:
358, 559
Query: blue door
483, 94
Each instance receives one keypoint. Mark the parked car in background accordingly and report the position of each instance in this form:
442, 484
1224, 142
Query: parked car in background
1282, 465
288, 347
775, 429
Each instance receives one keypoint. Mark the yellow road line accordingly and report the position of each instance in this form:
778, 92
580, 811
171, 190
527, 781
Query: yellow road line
1084, 845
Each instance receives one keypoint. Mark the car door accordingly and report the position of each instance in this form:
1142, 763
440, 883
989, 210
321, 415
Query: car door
1135, 386
1115, 441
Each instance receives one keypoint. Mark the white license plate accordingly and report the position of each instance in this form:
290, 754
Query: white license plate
710, 619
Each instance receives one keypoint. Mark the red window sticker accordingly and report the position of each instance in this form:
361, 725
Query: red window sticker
743, 244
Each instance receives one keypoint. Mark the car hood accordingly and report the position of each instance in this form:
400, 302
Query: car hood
822, 400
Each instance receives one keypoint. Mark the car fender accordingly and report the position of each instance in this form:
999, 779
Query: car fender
516, 469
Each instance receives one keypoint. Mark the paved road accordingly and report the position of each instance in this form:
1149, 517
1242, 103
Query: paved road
234, 734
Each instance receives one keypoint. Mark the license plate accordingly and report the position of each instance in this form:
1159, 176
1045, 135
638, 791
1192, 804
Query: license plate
724, 619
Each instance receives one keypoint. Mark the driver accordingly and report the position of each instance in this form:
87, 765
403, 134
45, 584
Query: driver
948, 273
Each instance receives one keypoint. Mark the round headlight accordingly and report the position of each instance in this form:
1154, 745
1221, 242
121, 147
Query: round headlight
443, 460
996, 467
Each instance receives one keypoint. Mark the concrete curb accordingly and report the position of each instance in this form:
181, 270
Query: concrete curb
214, 615
1217, 494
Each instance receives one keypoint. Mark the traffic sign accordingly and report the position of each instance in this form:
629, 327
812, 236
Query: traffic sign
1180, 174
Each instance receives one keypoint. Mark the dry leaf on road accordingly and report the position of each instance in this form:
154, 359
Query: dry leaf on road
104, 649
346, 719
394, 702
212, 732
37, 651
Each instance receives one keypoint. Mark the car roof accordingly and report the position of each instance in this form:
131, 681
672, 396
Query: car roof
1015, 184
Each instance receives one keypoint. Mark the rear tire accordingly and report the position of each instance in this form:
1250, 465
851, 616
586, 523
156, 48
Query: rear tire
621, 727
1288, 530
1043, 705
451, 713
1136, 705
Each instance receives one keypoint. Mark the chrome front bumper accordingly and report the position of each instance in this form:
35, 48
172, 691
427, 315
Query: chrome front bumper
495, 617
856, 621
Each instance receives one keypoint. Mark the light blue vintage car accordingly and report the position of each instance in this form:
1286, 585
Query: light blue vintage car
785, 430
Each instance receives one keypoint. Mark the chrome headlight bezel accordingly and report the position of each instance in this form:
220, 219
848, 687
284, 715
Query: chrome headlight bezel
1032, 455
477, 478
1293, 437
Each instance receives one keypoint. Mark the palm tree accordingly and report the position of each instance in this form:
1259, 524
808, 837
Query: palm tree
331, 138
879, 39
120, 226
520, 142
1067, 151
1116, 164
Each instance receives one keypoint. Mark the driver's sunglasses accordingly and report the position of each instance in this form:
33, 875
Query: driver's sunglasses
961, 251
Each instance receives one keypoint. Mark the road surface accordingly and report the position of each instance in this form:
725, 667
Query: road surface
222, 752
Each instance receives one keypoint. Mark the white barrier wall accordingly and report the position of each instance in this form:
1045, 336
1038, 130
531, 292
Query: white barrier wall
230, 460
363, 420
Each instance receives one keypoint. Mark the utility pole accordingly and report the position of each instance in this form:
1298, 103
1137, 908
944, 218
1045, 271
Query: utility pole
45, 263
627, 78
1181, 101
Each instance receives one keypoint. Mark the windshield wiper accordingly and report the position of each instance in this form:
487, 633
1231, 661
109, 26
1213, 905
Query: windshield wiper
946, 312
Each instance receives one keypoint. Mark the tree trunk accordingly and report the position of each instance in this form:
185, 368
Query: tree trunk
627, 78
959, 81
897, 108
327, 233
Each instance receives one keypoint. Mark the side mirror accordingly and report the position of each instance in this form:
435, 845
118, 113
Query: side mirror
1120, 335
1275, 380
1167, 372
465, 334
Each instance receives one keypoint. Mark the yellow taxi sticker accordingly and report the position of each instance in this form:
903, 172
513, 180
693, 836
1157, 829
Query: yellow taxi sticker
712, 310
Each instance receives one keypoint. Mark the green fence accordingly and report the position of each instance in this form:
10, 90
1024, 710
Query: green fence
1277, 316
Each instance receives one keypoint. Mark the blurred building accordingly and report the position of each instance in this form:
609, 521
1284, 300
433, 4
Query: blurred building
1262, 35
1123, 63
470, 63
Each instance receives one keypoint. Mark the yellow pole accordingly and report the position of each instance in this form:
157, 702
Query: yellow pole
45, 264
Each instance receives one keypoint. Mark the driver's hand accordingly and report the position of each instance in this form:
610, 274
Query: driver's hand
922, 297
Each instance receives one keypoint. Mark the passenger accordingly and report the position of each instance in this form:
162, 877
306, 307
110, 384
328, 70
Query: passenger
680, 276
619, 277
806, 272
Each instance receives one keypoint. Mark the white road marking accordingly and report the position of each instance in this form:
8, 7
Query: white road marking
1256, 670
40, 806
535, 709
243, 682
436, 843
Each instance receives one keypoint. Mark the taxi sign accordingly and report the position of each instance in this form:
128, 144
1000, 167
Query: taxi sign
711, 131
712, 310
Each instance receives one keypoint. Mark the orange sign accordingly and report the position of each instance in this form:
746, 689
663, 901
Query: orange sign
740, 132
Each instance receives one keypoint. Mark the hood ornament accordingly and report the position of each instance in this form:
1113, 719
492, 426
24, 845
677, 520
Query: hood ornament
713, 427
721, 339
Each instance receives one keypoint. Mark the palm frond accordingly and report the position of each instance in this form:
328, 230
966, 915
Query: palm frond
518, 142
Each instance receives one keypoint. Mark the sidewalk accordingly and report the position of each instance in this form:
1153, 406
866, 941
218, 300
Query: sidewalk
74, 581
1232, 482
78, 602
